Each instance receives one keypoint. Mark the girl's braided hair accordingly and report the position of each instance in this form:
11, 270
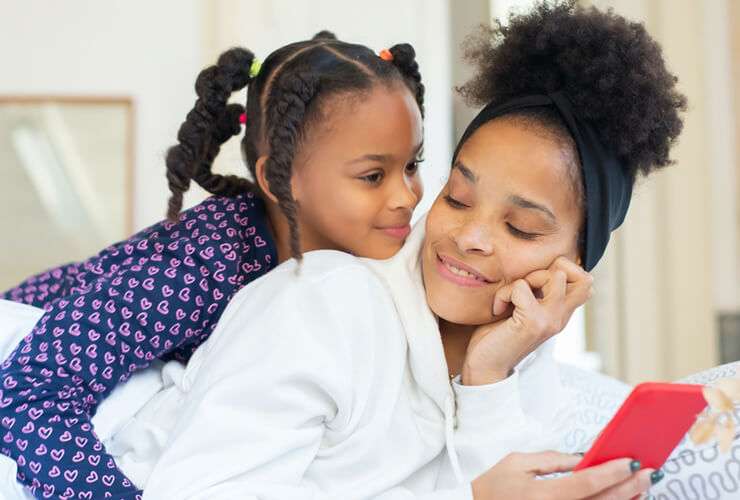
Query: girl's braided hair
294, 83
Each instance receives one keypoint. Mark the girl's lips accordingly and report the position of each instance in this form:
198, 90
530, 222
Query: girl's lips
398, 232
447, 269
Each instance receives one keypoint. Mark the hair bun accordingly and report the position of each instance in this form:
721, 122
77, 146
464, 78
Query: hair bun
324, 35
235, 64
610, 68
404, 58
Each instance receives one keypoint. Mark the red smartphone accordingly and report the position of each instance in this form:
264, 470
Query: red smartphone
648, 426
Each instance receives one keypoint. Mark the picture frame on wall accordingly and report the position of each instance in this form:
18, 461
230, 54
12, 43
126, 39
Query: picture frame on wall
67, 180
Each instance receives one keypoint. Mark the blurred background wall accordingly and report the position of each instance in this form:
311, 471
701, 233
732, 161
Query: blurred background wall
667, 296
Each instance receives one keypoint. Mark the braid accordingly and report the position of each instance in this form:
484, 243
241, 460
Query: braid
294, 82
226, 126
207, 126
294, 92
404, 58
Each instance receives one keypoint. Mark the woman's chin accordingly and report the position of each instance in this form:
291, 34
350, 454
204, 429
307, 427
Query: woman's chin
460, 314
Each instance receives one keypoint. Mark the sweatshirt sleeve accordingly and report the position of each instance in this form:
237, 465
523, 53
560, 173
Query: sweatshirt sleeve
509, 416
164, 293
257, 406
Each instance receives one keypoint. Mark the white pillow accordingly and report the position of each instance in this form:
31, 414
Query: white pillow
16, 321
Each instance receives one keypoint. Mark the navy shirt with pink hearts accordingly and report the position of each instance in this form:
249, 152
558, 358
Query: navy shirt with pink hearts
156, 295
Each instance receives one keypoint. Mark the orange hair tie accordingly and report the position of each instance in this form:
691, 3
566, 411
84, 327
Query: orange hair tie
386, 55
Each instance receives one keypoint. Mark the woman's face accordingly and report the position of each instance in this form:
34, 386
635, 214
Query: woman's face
509, 208
356, 180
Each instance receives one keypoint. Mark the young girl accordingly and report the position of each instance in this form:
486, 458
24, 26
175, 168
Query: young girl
350, 394
331, 170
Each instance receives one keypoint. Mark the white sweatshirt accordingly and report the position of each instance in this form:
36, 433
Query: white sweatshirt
331, 383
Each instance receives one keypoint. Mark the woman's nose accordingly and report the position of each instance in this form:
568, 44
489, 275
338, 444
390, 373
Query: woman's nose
474, 238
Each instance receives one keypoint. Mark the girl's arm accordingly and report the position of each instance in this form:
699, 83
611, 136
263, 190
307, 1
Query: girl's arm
45, 287
164, 296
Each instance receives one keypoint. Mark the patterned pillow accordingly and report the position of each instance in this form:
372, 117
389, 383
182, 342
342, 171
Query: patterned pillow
692, 472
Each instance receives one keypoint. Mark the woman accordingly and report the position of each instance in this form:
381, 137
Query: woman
347, 393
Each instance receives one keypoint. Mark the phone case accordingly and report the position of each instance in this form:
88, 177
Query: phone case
648, 426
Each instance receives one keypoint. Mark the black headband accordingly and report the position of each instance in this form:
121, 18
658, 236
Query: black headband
608, 186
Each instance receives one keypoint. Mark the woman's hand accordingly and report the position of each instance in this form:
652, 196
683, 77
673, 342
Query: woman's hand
540, 306
515, 477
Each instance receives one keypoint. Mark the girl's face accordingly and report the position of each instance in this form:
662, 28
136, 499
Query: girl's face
508, 208
356, 176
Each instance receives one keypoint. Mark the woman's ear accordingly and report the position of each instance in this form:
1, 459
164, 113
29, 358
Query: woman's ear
260, 174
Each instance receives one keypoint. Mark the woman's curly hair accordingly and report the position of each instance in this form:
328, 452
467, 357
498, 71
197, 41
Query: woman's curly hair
612, 71
284, 100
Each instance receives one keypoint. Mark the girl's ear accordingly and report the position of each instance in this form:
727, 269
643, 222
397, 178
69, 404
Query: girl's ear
262, 179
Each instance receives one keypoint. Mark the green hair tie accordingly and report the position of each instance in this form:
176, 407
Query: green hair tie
254, 69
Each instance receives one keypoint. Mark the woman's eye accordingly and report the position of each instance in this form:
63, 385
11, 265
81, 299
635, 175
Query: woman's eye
521, 234
454, 203
373, 178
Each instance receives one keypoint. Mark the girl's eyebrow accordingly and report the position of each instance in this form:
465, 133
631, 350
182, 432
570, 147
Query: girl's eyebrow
381, 158
530, 205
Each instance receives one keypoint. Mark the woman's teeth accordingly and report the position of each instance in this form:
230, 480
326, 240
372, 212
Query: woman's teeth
461, 272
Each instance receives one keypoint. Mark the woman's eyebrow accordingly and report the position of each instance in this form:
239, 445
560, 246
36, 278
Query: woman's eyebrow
467, 173
530, 205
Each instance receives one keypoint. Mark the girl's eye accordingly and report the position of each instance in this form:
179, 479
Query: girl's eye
454, 203
521, 234
413, 167
373, 178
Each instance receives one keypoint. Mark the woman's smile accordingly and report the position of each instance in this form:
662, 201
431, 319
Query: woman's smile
458, 273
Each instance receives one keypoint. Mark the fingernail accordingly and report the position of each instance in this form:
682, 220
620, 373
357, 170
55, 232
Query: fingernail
656, 476
635, 466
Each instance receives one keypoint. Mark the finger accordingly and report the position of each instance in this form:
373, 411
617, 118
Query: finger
573, 271
522, 296
517, 293
555, 289
592, 481
547, 462
577, 294
579, 282
630, 488
502, 299
538, 279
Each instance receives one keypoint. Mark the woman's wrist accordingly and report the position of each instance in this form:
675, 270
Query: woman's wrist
472, 375
480, 489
